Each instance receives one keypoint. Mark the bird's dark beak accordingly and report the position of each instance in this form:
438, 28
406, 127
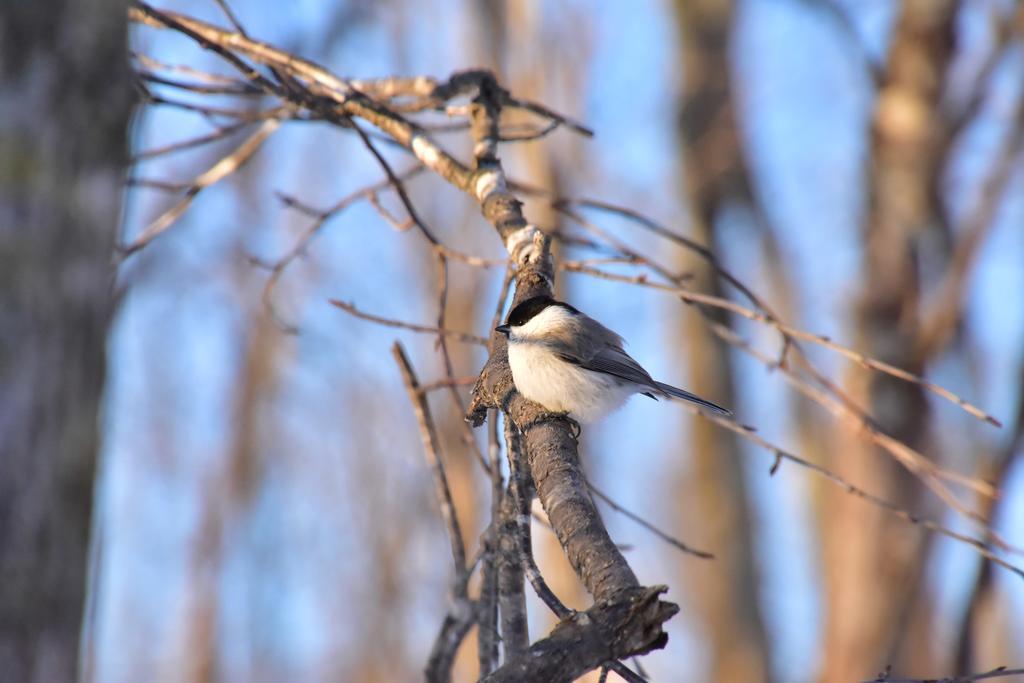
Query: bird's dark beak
504, 329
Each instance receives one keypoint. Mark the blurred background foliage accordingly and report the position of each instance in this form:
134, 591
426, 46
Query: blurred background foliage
262, 508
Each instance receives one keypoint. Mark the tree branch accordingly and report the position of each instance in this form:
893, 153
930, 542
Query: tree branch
608, 631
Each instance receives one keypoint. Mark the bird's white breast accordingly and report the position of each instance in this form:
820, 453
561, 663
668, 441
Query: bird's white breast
562, 387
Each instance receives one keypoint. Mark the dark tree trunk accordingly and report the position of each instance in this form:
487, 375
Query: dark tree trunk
64, 107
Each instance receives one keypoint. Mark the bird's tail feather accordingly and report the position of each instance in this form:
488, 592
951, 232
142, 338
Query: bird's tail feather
674, 392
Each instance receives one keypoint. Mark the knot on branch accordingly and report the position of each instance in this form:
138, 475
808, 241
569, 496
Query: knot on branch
466, 80
645, 614
527, 245
629, 623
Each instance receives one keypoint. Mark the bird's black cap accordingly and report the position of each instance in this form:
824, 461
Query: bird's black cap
526, 310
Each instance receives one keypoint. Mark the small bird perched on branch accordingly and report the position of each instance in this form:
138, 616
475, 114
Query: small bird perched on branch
569, 363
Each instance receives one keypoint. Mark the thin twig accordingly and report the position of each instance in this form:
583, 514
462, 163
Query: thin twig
841, 405
998, 672
223, 168
432, 451
555, 117
389, 322
239, 89
320, 219
903, 453
763, 314
462, 614
143, 13
668, 538
794, 333
218, 134
780, 454
212, 112
184, 69
231, 17
428, 387
626, 673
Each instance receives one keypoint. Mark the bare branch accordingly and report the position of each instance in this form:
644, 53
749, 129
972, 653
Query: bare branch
320, 219
456, 625
627, 626
223, 168
668, 538
432, 451
389, 322
791, 332
205, 76
837, 402
428, 387
239, 89
780, 455
462, 614
998, 672
232, 19
762, 313
218, 134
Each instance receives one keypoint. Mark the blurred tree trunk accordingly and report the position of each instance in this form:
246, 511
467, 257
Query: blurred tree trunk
63, 120
986, 630
725, 591
874, 568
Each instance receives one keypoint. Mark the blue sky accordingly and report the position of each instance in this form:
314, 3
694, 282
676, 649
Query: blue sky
175, 347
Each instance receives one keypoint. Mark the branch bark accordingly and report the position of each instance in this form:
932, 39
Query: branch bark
551, 447
627, 626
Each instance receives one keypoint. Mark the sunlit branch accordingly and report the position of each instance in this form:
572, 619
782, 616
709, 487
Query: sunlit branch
215, 173
190, 143
201, 88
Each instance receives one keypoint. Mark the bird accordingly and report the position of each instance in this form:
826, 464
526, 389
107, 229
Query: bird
571, 364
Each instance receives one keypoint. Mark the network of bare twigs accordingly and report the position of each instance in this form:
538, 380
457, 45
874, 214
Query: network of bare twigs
273, 87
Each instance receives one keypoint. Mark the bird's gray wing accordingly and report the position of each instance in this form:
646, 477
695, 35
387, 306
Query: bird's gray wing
616, 362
